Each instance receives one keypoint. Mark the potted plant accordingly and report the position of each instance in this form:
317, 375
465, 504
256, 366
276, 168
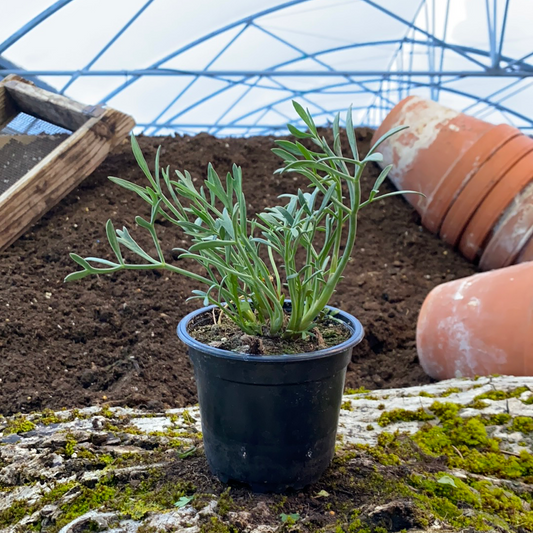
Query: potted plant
269, 355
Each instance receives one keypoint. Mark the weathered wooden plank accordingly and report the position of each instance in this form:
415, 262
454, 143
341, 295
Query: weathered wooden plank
60, 172
54, 108
8, 107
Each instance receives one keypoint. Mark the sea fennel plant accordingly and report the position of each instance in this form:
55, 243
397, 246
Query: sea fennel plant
252, 264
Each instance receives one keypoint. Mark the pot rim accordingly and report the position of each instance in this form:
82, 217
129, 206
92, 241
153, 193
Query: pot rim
351, 322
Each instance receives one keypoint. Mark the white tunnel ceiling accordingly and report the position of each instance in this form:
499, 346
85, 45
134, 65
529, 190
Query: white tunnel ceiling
232, 68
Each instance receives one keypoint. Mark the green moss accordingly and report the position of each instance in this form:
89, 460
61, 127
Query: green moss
176, 434
426, 394
528, 401
55, 494
86, 500
470, 432
130, 430
86, 454
446, 410
502, 395
47, 417
477, 404
505, 504
403, 415
225, 503
496, 420
19, 424
14, 514
70, 446
105, 458
466, 504
106, 412
133, 501
370, 427
495, 506
144, 528
360, 390
217, 526
187, 418
439, 501
465, 443
78, 415
451, 390
386, 459
523, 424
347, 405
387, 448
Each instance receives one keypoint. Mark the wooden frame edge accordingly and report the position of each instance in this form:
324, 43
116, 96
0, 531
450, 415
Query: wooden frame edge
8, 108
59, 173
45, 105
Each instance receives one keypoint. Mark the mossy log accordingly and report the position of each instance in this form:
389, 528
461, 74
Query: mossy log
453, 456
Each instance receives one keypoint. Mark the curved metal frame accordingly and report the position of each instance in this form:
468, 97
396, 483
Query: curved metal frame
485, 63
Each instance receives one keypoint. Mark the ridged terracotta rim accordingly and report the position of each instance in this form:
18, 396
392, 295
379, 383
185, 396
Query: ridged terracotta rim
476, 190
526, 254
459, 174
528, 361
512, 232
494, 204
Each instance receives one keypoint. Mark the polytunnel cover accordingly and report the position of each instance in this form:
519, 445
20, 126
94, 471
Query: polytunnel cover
232, 68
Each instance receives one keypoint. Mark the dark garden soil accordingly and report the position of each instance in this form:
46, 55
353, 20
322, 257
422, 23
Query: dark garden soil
112, 339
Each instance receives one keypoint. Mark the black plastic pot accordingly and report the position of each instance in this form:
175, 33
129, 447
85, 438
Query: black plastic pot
269, 421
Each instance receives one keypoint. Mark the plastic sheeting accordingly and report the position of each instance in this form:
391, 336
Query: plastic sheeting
232, 68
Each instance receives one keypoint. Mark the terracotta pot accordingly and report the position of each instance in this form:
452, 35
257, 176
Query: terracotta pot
511, 233
436, 138
459, 174
496, 202
391, 119
479, 325
527, 252
480, 185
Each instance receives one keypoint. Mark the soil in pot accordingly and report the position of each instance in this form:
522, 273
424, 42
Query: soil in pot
112, 339
218, 331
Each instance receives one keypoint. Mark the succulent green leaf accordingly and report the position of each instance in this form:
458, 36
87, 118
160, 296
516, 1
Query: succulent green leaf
210, 245
140, 221
113, 242
297, 133
80, 274
183, 501
141, 161
376, 156
141, 191
351, 134
384, 137
447, 480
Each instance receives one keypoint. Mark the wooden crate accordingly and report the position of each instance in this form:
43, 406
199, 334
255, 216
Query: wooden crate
95, 132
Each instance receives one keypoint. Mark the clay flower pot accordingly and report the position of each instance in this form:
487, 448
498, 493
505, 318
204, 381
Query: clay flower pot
460, 173
437, 137
479, 325
480, 185
511, 233
494, 204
